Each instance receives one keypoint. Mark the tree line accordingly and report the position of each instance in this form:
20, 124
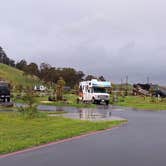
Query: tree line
5, 59
48, 73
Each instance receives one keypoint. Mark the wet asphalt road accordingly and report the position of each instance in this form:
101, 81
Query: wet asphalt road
141, 142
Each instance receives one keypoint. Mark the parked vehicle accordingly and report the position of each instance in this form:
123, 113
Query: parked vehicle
40, 88
149, 89
141, 89
4, 92
94, 91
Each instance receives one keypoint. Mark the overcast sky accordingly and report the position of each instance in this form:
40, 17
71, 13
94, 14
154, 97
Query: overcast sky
113, 38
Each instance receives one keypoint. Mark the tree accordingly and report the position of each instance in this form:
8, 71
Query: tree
79, 76
51, 74
44, 72
32, 69
59, 88
3, 55
12, 63
69, 75
5, 59
90, 77
101, 78
22, 65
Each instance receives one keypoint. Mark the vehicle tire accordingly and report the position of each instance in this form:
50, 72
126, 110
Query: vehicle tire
98, 102
107, 102
8, 99
93, 101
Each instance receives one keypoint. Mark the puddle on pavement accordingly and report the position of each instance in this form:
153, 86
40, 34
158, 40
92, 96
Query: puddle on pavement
92, 114
102, 112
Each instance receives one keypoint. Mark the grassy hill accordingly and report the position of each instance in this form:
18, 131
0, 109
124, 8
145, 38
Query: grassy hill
16, 77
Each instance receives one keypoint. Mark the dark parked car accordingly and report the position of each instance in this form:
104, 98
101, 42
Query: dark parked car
4, 92
161, 93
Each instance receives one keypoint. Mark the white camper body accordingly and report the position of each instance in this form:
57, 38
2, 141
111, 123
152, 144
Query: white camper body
94, 91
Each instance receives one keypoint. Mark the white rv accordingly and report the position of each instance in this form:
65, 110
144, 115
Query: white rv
94, 91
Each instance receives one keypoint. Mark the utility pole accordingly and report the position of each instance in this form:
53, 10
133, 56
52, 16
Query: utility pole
127, 78
121, 85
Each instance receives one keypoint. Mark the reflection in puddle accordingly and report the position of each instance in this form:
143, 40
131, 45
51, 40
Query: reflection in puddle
92, 114
102, 112
99, 113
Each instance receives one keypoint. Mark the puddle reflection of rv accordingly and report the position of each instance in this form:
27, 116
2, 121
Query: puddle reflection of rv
92, 114
94, 91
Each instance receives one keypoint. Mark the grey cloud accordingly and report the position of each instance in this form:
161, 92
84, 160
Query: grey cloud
112, 38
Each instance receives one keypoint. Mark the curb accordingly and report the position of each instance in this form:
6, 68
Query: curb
58, 142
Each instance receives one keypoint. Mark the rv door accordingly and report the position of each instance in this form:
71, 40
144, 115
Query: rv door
86, 93
89, 94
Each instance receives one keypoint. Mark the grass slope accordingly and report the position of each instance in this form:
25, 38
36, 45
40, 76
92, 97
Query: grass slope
16, 77
17, 133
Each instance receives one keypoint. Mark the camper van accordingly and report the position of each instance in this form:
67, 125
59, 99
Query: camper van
94, 91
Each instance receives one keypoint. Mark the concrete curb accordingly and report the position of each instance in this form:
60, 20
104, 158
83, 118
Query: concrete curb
59, 142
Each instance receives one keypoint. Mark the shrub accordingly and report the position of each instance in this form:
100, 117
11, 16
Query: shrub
30, 110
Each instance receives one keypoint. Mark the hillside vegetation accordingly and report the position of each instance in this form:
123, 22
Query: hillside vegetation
16, 77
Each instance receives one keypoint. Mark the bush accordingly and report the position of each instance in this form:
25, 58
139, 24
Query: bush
30, 112
29, 98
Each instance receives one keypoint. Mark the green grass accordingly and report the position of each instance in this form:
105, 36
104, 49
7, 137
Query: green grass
80, 105
3, 108
17, 133
142, 103
17, 77
71, 101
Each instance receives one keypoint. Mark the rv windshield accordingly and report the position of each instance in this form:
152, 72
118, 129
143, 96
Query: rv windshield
99, 90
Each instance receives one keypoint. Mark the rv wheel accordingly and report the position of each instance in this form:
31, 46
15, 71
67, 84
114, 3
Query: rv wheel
107, 102
98, 102
93, 100
8, 99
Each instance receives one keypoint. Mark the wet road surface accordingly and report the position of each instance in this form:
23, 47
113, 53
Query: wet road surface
141, 142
